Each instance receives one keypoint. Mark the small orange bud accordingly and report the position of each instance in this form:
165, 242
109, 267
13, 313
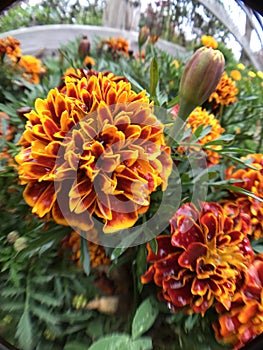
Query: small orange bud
201, 75
84, 47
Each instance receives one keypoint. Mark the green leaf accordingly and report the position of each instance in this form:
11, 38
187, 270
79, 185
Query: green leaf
144, 318
143, 343
221, 140
154, 76
112, 342
173, 102
118, 251
153, 245
257, 245
74, 345
141, 265
24, 331
85, 256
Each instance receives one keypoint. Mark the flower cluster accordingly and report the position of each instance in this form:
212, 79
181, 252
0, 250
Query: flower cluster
201, 117
97, 141
250, 179
244, 321
209, 41
202, 261
32, 68
225, 92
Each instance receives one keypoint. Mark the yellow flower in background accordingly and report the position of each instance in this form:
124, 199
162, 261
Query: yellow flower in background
209, 41
176, 64
32, 68
241, 66
251, 74
260, 74
236, 75
112, 154
225, 92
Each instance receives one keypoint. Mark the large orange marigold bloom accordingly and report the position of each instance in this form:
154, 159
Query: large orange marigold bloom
225, 92
244, 321
93, 148
251, 180
201, 262
201, 117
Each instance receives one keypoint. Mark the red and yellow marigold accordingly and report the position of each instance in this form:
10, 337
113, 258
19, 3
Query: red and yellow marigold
200, 117
209, 41
225, 92
116, 46
200, 263
251, 180
244, 321
93, 149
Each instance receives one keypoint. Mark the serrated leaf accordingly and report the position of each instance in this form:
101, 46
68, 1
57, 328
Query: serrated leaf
44, 314
144, 318
24, 331
46, 299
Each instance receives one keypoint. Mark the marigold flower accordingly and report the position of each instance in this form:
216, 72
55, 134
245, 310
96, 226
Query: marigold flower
235, 74
225, 92
241, 66
199, 117
116, 46
200, 263
97, 142
252, 180
260, 74
32, 68
244, 321
209, 41
89, 62
11, 47
97, 252
251, 74
176, 64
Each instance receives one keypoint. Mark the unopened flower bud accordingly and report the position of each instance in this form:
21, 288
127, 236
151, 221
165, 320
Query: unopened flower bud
201, 76
143, 36
12, 237
20, 244
84, 47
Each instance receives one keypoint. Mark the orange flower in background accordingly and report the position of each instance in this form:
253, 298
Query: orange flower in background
225, 92
235, 74
201, 262
244, 321
251, 180
199, 117
116, 46
97, 253
7, 130
112, 154
89, 62
11, 47
209, 41
32, 68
